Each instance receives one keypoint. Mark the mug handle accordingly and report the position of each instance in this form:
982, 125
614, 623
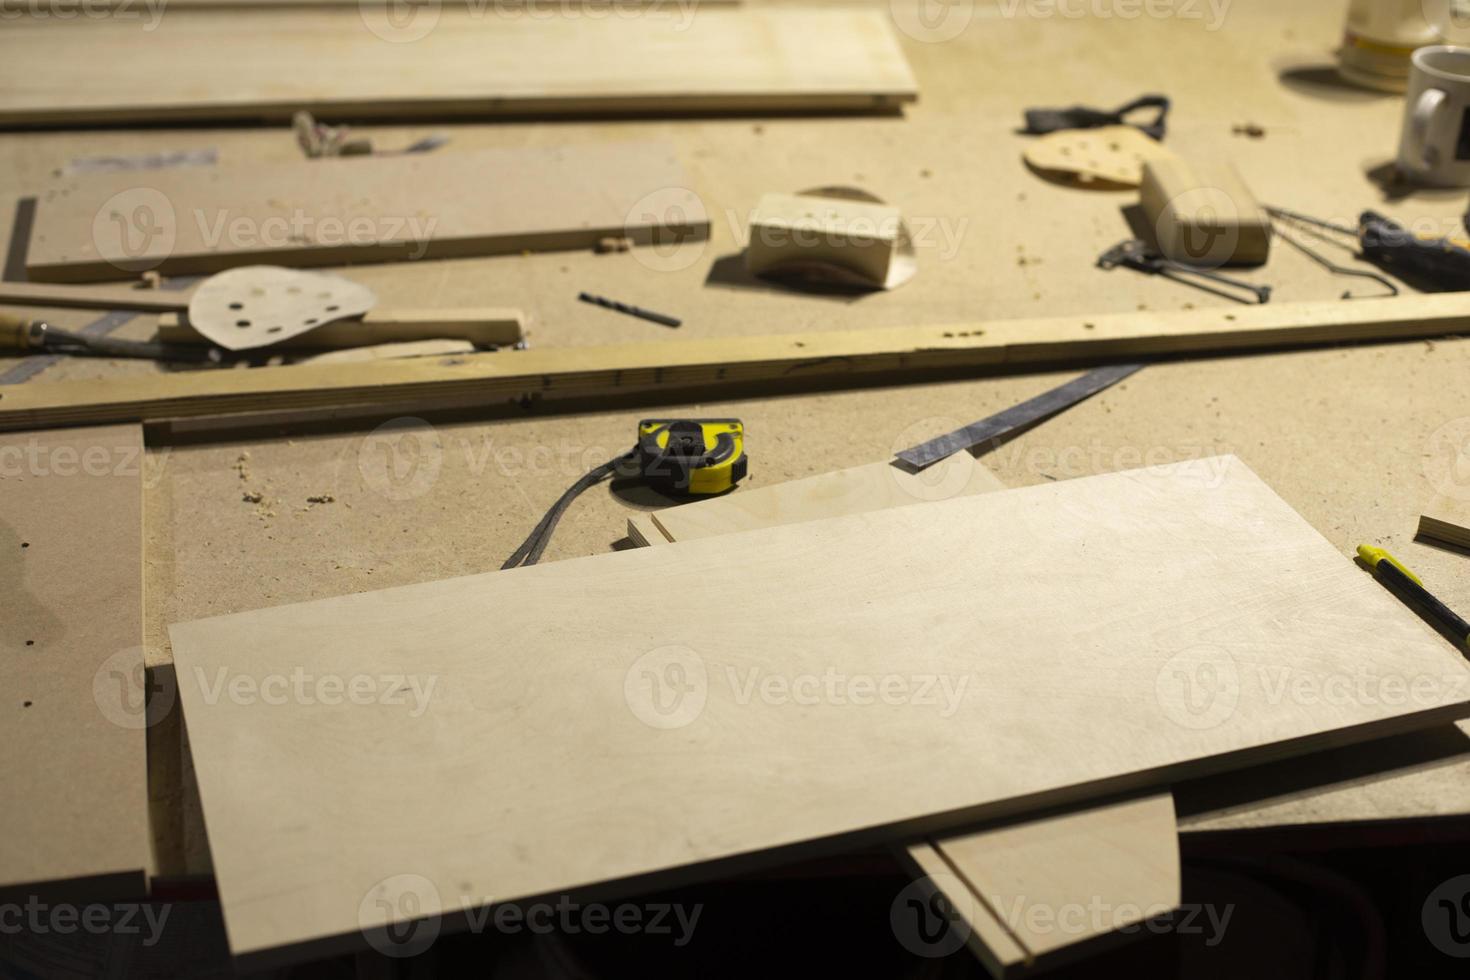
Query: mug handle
1421, 117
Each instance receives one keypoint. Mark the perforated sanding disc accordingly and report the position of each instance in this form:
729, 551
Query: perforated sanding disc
259, 305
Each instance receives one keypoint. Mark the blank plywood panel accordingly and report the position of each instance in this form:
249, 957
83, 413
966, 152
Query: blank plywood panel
1124, 854
991, 636
383, 63
74, 781
361, 209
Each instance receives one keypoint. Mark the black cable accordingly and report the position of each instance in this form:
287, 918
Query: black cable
530, 551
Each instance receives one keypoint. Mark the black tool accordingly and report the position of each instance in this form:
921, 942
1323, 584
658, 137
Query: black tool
1425, 262
637, 311
1135, 254
1042, 121
37, 335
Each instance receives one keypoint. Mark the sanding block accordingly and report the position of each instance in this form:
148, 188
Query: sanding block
1204, 216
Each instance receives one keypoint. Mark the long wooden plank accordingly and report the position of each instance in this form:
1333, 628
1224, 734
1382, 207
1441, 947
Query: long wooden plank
379, 62
1124, 856
361, 209
72, 724
480, 324
93, 297
1035, 647
427, 383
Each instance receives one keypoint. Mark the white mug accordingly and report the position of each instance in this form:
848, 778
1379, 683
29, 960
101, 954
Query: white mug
1435, 146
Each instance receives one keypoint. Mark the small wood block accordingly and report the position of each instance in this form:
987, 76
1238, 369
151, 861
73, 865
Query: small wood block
1447, 521
1204, 216
789, 229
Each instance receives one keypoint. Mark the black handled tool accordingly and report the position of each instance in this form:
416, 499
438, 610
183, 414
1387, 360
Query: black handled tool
1424, 261
37, 335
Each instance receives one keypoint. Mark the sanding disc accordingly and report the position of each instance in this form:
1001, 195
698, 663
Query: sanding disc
259, 305
1106, 157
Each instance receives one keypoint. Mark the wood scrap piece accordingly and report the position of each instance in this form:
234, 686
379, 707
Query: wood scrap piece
92, 297
362, 209
830, 235
1123, 854
1204, 215
460, 62
382, 352
1446, 521
487, 326
72, 719
261, 305
610, 763
1105, 158
1062, 880
423, 385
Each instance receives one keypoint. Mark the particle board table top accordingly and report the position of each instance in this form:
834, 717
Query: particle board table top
1355, 438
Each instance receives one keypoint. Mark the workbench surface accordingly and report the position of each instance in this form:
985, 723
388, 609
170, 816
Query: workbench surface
1350, 436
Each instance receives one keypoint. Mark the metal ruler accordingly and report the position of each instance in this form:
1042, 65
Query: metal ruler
1019, 416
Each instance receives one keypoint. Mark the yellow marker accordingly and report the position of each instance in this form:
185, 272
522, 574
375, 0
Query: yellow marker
1406, 585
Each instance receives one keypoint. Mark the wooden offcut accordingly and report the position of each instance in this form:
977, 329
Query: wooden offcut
1203, 215
378, 61
859, 237
643, 754
1447, 521
361, 209
792, 359
72, 720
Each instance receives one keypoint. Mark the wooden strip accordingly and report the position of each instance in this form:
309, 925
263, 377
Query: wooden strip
480, 325
74, 778
553, 753
355, 63
361, 209
1104, 859
796, 358
1447, 521
93, 297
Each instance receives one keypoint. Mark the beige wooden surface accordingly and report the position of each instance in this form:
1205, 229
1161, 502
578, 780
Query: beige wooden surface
1355, 438
359, 209
1106, 598
72, 723
379, 62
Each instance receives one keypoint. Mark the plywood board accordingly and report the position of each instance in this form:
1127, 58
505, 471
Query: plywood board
361, 209
857, 490
552, 753
381, 63
1112, 856
1112, 849
72, 724
796, 358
